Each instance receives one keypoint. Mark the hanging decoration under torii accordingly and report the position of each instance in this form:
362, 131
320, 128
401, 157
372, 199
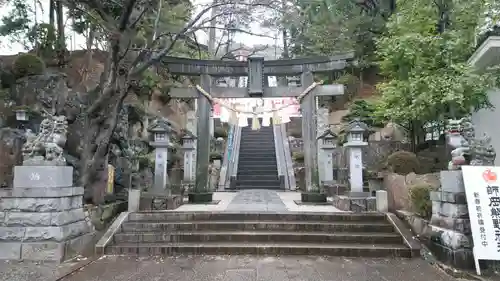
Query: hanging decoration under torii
238, 113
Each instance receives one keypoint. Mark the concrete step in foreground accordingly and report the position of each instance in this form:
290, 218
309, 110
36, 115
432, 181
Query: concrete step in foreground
341, 234
352, 250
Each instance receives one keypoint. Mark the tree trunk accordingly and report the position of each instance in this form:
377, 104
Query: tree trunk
52, 21
102, 119
61, 44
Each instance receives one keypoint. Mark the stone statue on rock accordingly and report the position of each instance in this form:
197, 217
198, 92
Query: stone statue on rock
456, 139
46, 148
467, 149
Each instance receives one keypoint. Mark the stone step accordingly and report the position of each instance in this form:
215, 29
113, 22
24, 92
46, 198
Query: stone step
258, 225
258, 236
257, 177
257, 172
228, 248
246, 165
256, 161
240, 182
257, 155
256, 216
258, 148
260, 157
262, 187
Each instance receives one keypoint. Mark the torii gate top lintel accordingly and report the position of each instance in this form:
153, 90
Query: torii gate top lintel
220, 68
257, 69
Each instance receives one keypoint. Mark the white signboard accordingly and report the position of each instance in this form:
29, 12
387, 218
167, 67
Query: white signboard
483, 201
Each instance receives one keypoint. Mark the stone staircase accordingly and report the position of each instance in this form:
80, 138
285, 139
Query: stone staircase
257, 168
168, 233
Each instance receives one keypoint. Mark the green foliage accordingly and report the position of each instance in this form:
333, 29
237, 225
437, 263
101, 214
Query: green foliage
427, 71
420, 200
298, 156
332, 26
364, 110
403, 162
18, 22
27, 65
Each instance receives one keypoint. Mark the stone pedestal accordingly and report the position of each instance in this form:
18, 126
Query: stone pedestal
355, 202
134, 200
42, 217
382, 201
451, 239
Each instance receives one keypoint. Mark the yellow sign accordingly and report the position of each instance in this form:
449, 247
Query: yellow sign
111, 179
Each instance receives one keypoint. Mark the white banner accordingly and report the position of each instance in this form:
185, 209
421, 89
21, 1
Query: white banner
483, 201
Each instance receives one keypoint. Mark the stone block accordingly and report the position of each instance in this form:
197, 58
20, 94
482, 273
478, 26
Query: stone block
80, 245
457, 258
10, 250
43, 176
455, 224
450, 238
382, 201
44, 218
43, 251
355, 204
56, 233
134, 200
450, 210
452, 181
49, 192
40, 204
10, 234
450, 197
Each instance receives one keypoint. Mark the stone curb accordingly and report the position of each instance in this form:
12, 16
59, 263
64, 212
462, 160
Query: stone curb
112, 230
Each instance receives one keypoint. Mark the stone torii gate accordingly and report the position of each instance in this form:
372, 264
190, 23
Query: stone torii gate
257, 70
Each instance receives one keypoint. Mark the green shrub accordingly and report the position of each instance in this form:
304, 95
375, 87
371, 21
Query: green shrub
403, 162
420, 200
298, 157
28, 65
220, 132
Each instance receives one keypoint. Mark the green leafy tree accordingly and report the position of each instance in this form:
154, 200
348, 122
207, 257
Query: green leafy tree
423, 56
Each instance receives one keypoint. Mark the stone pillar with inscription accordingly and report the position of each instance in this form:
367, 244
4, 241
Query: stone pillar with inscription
323, 156
192, 127
188, 145
42, 216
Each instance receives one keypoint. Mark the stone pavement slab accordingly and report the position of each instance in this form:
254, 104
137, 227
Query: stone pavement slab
257, 200
250, 268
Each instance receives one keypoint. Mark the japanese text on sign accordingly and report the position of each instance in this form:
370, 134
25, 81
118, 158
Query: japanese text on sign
483, 198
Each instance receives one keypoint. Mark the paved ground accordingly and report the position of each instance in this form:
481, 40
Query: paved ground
257, 200
245, 268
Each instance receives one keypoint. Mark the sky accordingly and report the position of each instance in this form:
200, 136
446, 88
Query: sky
75, 41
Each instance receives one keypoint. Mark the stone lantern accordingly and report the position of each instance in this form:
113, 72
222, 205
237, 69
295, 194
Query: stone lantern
188, 146
160, 140
327, 144
355, 141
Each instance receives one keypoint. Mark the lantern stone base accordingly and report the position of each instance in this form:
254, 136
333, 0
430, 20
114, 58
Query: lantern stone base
202, 197
149, 202
355, 202
313, 197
